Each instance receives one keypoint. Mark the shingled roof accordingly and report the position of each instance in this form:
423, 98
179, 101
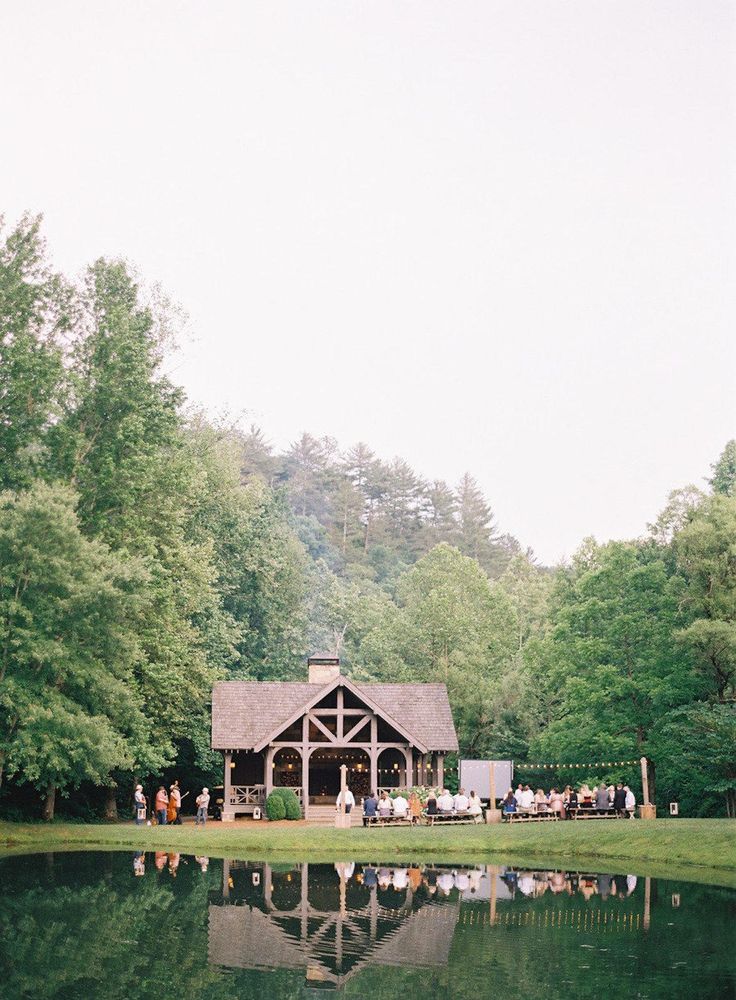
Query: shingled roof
245, 712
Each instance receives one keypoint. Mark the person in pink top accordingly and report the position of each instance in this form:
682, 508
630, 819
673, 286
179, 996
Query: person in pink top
556, 803
162, 804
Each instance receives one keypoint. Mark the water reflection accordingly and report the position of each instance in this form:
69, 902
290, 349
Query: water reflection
332, 921
94, 925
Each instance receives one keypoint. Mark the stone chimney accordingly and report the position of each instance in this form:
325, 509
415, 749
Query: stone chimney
323, 668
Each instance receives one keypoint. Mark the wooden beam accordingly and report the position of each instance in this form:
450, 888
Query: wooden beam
340, 713
325, 730
360, 724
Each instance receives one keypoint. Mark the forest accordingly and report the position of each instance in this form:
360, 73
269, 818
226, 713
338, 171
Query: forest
148, 550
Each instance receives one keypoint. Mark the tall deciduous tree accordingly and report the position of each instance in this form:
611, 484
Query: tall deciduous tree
69, 711
35, 307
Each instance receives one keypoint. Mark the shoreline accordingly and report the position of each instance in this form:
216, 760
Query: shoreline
695, 850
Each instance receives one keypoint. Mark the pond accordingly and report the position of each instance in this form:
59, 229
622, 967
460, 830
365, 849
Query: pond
124, 925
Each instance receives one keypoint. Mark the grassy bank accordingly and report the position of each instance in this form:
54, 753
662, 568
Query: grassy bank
704, 845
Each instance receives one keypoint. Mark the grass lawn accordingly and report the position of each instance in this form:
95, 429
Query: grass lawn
700, 849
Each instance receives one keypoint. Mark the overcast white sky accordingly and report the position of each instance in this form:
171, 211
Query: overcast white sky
495, 237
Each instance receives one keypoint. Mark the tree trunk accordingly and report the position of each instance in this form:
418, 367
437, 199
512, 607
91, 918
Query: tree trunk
111, 805
49, 803
652, 781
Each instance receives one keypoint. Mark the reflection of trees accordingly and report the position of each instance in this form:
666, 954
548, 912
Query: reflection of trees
123, 938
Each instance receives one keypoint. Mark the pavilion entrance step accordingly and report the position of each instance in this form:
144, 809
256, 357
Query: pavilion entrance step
325, 816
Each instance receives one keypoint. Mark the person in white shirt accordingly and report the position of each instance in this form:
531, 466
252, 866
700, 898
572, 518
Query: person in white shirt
526, 798
401, 805
140, 806
517, 793
384, 805
445, 803
401, 877
630, 801
445, 882
475, 807
461, 802
349, 800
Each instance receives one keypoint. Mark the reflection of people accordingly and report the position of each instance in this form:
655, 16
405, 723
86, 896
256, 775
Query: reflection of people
445, 882
139, 805
202, 861
139, 863
174, 863
349, 800
345, 869
401, 879
160, 860
630, 884
162, 802
202, 802
369, 877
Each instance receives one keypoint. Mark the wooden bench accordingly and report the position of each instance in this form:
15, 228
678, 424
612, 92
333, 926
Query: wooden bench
453, 817
531, 817
387, 820
594, 814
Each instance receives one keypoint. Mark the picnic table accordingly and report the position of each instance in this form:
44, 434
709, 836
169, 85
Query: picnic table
387, 820
451, 817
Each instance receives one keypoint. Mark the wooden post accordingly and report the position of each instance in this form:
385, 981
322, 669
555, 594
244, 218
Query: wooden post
374, 755
268, 776
647, 903
644, 782
646, 809
342, 819
440, 770
228, 812
493, 815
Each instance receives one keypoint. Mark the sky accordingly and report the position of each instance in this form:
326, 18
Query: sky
485, 237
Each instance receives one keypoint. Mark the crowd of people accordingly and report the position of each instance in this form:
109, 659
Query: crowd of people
440, 802
167, 806
569, 801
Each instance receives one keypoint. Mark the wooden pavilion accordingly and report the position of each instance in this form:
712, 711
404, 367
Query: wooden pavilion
279, 733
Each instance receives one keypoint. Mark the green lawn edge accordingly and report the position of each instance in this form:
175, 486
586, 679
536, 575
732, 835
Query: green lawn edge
690, 849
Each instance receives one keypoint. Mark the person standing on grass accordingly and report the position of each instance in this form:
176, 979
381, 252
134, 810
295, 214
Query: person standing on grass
175, 800
140, 805
202, 802
162, 804
630, 801
349, 801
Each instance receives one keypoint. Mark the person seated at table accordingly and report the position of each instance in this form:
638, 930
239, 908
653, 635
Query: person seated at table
517, 793
585, 798
432, 803
540, 801
570, 798
525, 800
619, 799
415, 807
384, 806
630, 801
460, 801
401, 806
370, 807
475, 807
555, 802
602, 801
445, 803
508, 805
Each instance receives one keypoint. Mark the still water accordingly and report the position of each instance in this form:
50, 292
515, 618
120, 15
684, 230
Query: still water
123, 925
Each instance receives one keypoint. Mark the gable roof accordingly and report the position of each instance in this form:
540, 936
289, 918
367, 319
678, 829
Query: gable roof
246, 714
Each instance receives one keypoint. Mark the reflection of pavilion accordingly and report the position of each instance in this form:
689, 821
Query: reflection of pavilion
325, 925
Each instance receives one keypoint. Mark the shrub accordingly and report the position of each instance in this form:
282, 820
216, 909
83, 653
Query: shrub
275, 808
291, 802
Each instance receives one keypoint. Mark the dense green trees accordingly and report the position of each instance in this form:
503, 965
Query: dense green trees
146, 551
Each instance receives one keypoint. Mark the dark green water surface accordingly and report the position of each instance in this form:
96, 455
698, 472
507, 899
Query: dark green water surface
159, 926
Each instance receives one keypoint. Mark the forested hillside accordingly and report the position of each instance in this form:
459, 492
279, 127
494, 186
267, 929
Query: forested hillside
146, 551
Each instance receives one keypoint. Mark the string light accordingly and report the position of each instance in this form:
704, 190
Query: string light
604, 763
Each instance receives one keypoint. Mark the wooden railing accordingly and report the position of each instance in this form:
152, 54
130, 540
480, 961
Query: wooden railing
247, 795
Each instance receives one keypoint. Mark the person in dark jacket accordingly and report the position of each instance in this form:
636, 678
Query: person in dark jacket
432, 804
619, 799
602, 801
370, 805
